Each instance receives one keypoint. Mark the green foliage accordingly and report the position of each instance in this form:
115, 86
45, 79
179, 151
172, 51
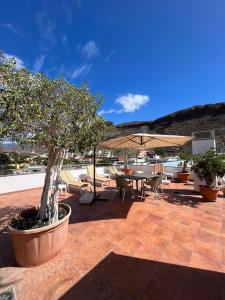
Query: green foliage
19, 158
71, 161
186, 157
103, 162
5, 159
209, 165
125, 152
38, 160
161, 151
49, 113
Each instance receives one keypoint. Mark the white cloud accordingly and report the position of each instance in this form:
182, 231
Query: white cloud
110, 111
108, 57
39, 61
46, 26
132, 102
129, 102
19, 61
90, 50
81, 71
14, 30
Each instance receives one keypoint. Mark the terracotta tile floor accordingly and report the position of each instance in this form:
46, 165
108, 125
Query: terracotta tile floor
138, 250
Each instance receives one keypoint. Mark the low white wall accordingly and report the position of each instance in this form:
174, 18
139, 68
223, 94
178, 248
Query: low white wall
28, 181
21, 182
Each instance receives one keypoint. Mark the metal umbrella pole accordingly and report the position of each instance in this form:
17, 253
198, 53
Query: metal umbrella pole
95, 197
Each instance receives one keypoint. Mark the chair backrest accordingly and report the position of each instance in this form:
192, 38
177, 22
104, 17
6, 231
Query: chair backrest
63, 176
90, 170
158, 167
160, 174
69, 175
120, 181
156, 181
113, 170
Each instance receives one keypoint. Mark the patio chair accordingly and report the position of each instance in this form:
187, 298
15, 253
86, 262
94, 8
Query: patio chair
122, 185
68, 178
100, 178
159, 168
161, 181
113, 171
152, 184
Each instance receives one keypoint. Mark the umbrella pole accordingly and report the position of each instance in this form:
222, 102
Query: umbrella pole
95, 197
94, 173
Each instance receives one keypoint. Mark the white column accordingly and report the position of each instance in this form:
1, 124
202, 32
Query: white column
201, 143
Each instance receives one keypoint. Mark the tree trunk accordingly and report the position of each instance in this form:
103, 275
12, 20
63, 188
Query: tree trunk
59, 163
45, 211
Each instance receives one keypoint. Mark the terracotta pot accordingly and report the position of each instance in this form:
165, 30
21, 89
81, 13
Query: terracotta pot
183, 177
128, 171
36, 246
207, 193
223, 190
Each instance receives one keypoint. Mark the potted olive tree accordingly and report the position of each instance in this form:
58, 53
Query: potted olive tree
57, 116
183, 176
207, 167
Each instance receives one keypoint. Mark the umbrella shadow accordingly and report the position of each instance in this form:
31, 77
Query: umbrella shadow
125, 277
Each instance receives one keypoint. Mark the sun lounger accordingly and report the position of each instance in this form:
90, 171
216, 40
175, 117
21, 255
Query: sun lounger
100, 178
114, 171
68, 178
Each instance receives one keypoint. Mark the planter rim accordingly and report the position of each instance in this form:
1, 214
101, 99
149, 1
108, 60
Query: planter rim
41, 229
184, 172
213, 189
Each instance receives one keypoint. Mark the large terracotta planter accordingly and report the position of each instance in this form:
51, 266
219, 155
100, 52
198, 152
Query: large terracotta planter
183, 177
128, 171
207, 193
36, 246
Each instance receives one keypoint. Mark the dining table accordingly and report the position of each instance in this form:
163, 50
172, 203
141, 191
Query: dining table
139, 177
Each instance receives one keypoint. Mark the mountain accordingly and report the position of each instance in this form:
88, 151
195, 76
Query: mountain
183, 122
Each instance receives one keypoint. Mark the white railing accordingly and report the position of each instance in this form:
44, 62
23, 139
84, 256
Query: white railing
27, 181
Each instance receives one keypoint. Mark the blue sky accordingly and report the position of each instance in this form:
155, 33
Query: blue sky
148, 58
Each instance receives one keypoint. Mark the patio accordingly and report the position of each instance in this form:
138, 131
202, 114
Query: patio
175, 250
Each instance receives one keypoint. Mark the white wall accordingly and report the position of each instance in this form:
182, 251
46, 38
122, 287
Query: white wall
28, 181
21, 182
203, 145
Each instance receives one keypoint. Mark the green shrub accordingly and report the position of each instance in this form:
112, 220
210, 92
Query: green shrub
208, 166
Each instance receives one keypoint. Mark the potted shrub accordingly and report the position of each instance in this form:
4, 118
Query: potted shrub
57, 116
183, 176
126, 153
207, 167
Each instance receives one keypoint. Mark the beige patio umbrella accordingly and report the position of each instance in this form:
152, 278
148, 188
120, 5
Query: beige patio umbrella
139, 141
145, 141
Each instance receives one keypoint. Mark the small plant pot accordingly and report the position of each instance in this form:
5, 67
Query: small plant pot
207, 193
128, 171
36, 246
183, 177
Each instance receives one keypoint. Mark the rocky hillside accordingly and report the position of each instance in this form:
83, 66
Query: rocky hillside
183, 122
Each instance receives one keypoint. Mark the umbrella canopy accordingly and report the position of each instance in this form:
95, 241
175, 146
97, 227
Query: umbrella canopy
145, 141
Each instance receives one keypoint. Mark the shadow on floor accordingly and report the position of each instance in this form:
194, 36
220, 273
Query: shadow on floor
183, 197
100, 210
124, 277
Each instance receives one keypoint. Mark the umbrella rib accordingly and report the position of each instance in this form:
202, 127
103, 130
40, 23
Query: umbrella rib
172, 144
115, 146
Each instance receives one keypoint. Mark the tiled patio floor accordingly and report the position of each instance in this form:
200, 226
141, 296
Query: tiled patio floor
174, 250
